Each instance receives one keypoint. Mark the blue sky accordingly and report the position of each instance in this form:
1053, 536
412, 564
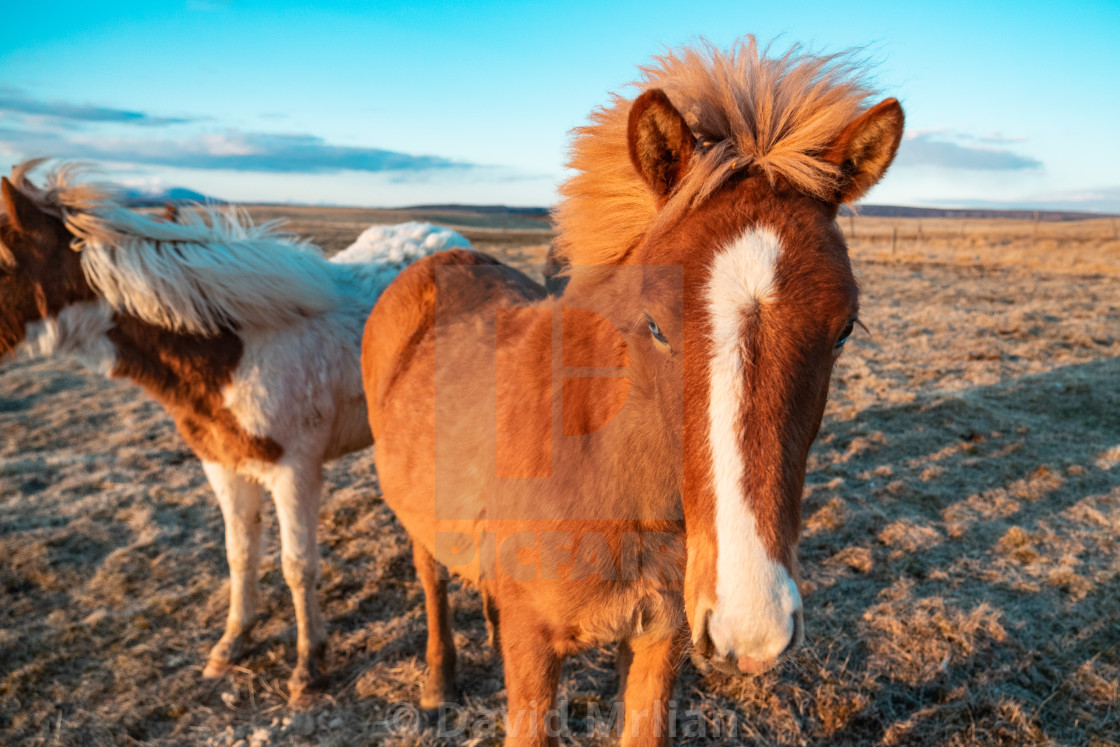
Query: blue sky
396, 103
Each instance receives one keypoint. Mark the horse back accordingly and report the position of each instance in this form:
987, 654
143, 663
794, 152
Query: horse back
446, 286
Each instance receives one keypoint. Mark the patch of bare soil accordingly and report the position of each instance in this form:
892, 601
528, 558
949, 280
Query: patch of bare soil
961, 554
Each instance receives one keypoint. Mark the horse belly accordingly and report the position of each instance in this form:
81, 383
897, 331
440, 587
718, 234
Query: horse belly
428, 358
433, 461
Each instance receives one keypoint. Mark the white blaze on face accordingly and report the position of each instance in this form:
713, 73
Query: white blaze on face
756, 599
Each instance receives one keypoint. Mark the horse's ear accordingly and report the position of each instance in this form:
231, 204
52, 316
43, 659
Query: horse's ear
25, 215
865, 149
660, 142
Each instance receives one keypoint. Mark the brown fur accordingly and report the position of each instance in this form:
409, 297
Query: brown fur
38, 280
523, 369
414, 308
787, 387
485, 488
660, 143
186, 374
865, 148
63, 193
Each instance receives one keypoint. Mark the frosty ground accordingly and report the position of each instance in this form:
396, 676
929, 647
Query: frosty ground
960, 553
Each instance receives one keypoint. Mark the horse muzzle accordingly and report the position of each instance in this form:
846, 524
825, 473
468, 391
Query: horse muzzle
754, 654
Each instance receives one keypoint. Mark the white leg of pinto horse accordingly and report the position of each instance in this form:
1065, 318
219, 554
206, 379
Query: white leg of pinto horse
296, 486
240, 500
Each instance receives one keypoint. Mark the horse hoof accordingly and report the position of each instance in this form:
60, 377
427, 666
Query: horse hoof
302, 700
431, 700
303, 688
216, 668
429, 719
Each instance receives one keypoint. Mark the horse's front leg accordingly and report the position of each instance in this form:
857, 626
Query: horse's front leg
532, 669
295, 488
650, 672
240, 500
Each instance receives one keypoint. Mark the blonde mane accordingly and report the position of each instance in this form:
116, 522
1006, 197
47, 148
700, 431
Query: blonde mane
212, 269
772, 115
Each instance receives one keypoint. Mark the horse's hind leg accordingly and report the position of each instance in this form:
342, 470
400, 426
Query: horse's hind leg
295, 488
490, 611
240, 500
440, 686
623, 658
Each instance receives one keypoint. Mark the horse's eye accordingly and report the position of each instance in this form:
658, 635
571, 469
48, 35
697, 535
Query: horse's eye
845, 334
655, 331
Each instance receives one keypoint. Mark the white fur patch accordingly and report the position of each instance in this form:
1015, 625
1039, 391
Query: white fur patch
301, 384
379, 254
755, 597
401, 244
80, 330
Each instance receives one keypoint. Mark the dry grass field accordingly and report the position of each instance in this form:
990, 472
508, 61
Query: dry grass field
961, 553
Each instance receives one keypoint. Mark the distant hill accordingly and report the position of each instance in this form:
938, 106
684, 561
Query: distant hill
493, 216
538, 212
871, 211
894, 211
504, 216
157, 197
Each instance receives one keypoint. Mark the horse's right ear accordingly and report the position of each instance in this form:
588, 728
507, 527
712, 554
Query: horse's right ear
25, 215
660, 142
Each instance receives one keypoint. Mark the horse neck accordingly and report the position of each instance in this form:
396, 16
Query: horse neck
648, 471
633, 447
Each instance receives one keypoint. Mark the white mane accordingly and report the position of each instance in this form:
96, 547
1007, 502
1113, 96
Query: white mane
213, 269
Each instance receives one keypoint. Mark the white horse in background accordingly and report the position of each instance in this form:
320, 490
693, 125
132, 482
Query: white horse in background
248, 337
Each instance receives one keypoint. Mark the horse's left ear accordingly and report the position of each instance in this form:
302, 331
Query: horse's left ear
660, 142
865, 149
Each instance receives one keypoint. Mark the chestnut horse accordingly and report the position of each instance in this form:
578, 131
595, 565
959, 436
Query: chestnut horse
249, 339
625, 462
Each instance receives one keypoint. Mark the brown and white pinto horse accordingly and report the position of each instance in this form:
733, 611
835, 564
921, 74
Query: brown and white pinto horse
625, 462
248, 339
